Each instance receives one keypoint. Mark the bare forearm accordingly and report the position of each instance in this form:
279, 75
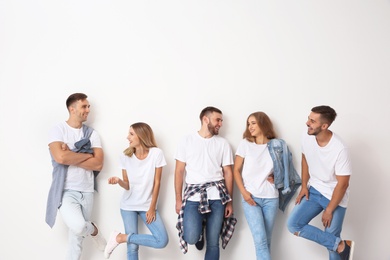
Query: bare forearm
92, 163
228, 176
178, 188
305, 179
337, 196
72, 158
229, 185
124, 184
156, 191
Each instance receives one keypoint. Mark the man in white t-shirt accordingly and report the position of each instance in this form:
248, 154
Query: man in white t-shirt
326, 170
205, 159
77, 157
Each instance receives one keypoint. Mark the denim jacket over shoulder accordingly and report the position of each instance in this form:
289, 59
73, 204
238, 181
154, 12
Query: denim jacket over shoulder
59, 175
286, 177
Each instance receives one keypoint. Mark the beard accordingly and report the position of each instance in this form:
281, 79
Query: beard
212, 129
314, 131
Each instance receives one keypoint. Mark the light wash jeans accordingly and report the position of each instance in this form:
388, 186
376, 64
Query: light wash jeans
304, 212
76, 210
192, 226
158, 238
261, 219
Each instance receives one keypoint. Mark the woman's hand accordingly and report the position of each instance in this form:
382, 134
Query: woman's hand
150, 216
271, 178
248, 198
113, 180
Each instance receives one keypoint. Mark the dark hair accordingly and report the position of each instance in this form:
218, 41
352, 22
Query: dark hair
327, 113
208, 110
264, 123
145, 135
74, 98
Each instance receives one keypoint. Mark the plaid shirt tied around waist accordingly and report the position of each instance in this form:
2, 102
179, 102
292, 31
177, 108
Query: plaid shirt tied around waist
228, 223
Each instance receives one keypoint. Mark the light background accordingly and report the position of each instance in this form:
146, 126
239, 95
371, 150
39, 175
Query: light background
161, 62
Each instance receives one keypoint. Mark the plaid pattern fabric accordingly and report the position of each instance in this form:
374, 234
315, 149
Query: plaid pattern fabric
228, 223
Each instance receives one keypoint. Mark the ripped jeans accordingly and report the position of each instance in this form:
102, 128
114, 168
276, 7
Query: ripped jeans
303, 213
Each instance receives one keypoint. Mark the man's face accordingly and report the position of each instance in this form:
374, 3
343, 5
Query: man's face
214, 123
314, 124
80, 110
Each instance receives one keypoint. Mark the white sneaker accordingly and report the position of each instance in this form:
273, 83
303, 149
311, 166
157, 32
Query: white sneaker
99, 240
111, 244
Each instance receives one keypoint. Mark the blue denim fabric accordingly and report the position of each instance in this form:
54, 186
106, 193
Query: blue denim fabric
76, 210
59, 175
192, 226
304, 212
261, 219
158, 238
286, 178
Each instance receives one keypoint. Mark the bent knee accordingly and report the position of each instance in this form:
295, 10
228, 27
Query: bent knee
162, 243
191, 241
293, 227
191, 238
80, 230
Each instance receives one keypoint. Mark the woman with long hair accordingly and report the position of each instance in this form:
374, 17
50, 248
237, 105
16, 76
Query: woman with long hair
261, 166
141, 164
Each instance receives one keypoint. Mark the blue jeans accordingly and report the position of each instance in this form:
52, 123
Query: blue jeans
158, 238
261, 219
192, 226
76, 210
303, 213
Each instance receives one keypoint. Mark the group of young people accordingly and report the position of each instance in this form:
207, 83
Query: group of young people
205, 173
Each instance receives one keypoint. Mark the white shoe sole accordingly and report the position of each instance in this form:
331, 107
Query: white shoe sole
352, 249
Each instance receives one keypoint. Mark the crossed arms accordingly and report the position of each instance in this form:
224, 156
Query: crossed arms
63, 155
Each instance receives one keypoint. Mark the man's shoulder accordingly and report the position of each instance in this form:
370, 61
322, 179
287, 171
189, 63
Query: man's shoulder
188, 137
60, 126
337, 140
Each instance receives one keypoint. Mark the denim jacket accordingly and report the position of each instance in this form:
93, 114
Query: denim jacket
59, 175
286, 177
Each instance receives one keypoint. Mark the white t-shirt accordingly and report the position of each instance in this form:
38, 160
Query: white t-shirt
77, 178
325, 163
141, 178
258, 165
204, 159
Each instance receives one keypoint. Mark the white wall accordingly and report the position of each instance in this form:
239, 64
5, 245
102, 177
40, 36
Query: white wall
161, 62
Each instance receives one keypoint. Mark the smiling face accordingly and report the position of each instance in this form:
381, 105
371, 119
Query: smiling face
315, 124
80, 110
133, 138
214, 123
253, 127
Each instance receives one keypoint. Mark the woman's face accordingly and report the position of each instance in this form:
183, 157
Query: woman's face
253, 127
133, 138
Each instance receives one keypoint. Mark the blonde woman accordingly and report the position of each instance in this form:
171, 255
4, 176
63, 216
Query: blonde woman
141, 164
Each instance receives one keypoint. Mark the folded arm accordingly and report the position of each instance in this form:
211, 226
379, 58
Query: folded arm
84, 160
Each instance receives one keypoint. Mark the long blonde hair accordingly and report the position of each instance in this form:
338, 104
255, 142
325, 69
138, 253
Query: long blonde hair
145, 135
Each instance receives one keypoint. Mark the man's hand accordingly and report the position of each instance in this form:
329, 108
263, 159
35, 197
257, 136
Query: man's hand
303, 193
178, 206
229, 209
327, 218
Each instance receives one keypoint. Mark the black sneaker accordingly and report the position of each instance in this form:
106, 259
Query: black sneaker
200, 244
347, 253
